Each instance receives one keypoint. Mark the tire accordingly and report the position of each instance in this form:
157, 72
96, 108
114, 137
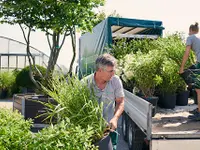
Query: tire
130, 135
135, 137
125, 126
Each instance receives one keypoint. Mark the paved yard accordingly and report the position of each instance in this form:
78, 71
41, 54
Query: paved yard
6, 103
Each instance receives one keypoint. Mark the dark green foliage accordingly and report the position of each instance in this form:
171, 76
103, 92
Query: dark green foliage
23, 78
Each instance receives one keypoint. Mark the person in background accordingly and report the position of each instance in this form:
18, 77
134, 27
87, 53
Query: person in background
193, 43
108, 89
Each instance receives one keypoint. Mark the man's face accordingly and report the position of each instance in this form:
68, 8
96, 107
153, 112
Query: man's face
107, 72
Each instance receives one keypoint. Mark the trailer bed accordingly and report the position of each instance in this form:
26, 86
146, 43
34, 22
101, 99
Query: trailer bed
173, 123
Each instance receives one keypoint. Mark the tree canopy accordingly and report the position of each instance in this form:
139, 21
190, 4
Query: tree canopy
57, 18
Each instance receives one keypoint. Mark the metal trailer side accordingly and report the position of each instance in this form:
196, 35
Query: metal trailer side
137, 117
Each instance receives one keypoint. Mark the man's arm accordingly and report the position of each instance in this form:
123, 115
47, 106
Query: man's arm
118, 112
185, 58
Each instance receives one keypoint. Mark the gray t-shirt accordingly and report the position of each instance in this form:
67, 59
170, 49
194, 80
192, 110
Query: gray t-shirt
194, 42
113, 90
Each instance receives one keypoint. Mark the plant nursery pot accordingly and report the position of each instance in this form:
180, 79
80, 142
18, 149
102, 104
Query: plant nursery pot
182, 98
187, 76
105, 143
194, 96
167, 101
3, 94
153, 101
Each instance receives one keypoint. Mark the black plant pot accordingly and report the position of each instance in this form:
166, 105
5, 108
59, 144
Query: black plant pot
153, 101
3, 93
105, 143
182, 98
187, 76
167, 101
194, 96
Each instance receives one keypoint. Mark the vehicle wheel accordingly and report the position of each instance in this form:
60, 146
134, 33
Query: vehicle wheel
124, 126
130, 135
135, 137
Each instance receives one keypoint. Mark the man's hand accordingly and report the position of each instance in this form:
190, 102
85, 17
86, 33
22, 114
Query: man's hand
113, 123
181, 71
118, 111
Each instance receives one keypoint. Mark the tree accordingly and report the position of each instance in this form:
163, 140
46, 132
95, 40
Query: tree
100, 16
57, 18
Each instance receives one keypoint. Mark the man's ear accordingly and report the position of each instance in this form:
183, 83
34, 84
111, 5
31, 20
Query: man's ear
100, 69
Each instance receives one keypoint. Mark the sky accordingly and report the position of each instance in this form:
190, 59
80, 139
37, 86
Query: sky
176, 15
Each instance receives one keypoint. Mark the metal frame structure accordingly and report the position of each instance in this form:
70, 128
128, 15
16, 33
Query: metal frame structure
13, 55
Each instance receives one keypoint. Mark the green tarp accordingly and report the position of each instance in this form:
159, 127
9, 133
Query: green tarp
93, 44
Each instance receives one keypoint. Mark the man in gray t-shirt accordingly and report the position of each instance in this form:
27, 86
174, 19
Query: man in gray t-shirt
108, 89
193, 43
108, 95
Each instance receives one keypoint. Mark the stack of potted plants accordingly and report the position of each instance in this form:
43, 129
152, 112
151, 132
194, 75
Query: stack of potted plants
168, 87
146, 69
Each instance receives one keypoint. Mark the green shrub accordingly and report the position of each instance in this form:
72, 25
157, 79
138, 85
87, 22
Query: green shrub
15, 88
14, 130
7, 81
76, 102
173, 48
23, 78
63, 136
146, 70
170, 78
122, 47
15, 134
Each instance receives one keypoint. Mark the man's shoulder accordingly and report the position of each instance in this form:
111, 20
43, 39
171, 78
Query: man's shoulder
87, 78
115, 79
193, 36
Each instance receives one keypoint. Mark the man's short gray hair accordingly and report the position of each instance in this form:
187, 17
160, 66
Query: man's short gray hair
105, 60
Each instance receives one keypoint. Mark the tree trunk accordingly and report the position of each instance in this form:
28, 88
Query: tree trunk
73, 39
30, 56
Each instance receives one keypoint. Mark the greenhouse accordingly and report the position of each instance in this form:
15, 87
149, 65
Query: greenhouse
13, 55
